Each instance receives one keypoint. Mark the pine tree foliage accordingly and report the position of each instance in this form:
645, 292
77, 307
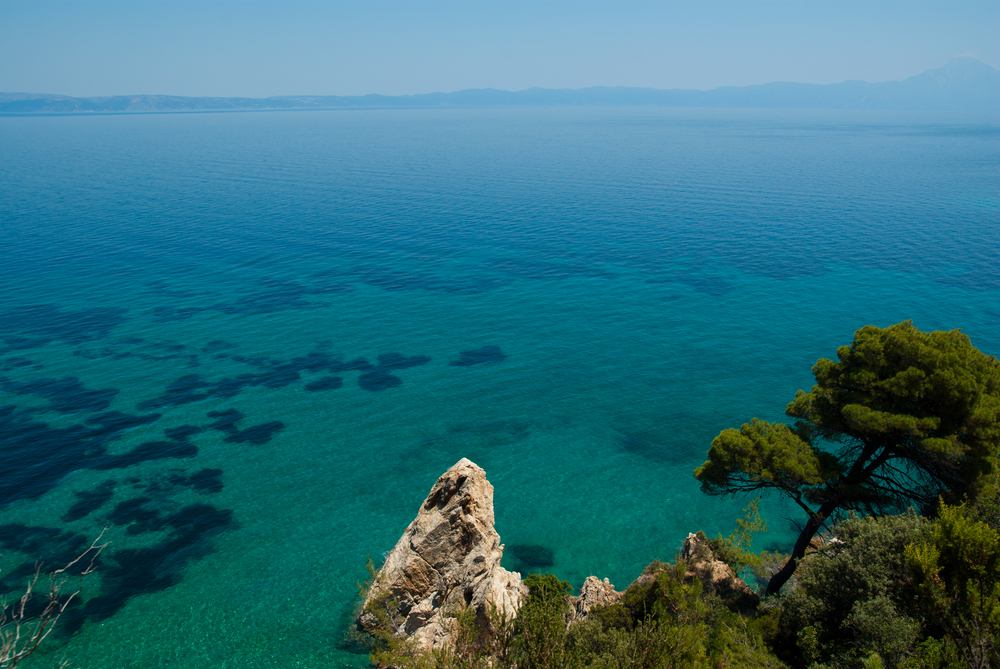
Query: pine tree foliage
902, 417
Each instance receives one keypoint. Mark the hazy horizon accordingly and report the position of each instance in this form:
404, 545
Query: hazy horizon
317, 95
258, 50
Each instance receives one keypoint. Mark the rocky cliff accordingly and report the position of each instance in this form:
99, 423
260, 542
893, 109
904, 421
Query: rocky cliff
448, 557
716, 575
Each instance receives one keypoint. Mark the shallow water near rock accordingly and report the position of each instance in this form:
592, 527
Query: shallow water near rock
577, 300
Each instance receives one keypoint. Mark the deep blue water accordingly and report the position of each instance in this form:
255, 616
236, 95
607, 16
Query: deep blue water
249, 343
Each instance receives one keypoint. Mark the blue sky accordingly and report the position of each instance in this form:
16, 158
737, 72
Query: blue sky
394, 47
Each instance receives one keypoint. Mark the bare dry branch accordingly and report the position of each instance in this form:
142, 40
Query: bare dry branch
21, 633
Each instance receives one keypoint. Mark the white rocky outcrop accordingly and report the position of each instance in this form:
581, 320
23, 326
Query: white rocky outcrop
717, 576
593, 592
448, 557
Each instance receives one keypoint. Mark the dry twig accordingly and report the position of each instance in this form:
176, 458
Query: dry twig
20, 632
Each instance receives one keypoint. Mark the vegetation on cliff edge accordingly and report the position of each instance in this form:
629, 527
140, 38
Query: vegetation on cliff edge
904, 423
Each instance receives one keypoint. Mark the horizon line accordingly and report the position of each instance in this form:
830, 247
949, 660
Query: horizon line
487, 88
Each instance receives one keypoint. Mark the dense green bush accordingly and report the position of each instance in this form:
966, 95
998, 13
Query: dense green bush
665, 619
956, 574
853, 597
540, 627
661, 593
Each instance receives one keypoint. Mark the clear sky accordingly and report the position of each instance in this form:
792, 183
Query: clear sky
258, 49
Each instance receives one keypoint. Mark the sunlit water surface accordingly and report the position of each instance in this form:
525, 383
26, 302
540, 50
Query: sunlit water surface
236, 340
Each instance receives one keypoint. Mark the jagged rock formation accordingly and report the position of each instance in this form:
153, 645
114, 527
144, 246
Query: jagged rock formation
717, 576
593, 592
448, 557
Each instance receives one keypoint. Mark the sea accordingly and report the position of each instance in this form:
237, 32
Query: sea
245, 345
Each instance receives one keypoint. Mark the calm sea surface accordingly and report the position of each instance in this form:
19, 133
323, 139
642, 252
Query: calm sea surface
248, 344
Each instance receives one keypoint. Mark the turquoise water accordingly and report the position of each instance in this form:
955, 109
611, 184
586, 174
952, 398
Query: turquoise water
648, 278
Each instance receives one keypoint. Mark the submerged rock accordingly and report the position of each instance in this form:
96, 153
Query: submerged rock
448, 557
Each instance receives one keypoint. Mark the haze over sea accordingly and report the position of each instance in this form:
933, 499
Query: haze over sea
236, 340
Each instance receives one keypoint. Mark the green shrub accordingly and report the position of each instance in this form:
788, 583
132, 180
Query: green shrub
853, 597
540, 627
660, 593
935, 654
653, 644
547, 589
956, 572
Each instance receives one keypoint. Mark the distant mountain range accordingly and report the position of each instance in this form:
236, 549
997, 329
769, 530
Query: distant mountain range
962, 84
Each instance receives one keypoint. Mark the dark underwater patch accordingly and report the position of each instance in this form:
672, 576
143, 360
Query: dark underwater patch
151, 450
192, 519
65, 395
715, 286
162, 288
277, 374
188, 388
173, 314
200, 520
392, 280
89, 501
136, 571
114, 422
49, 547
50, 544
378, 380
399, 361
204, 481
227, 387
326, 383
523, 268
770, 264
129, 572
16, 343
652, 446
45, 454
172, 346
278, 295
136, 516
142, 349
282, 373
36, 325
281, 295
225, 420
182, 432
255, 434
278, 377
533, 556
479, 356
15, 362
395, 280
217, 345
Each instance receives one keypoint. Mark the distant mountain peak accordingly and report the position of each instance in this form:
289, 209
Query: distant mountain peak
967, 78
962, 68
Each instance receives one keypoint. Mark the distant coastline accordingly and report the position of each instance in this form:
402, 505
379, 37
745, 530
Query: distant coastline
963, 84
